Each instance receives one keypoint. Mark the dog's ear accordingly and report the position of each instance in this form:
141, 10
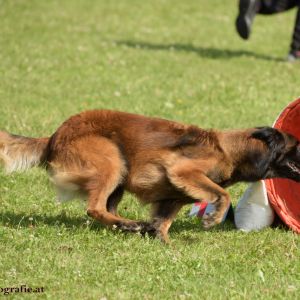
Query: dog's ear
272, 137
274, 140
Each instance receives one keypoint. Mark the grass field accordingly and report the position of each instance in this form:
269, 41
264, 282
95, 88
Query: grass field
180, 60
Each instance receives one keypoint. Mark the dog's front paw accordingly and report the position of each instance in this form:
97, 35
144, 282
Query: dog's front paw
209, 220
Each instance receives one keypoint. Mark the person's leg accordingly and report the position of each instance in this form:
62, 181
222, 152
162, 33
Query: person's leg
295, 45
249, 8
247, 11
270, 7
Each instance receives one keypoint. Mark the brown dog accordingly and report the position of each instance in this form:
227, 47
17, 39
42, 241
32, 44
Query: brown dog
101, 153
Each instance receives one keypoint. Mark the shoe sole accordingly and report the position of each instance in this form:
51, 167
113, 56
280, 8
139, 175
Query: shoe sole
243, 22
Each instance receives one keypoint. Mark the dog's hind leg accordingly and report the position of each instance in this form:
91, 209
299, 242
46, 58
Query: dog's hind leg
103, 197
99, 190
163, 214
98, 171
193, 182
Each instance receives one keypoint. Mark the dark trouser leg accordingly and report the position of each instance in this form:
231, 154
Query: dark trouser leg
269, 7
247, 11
295, 45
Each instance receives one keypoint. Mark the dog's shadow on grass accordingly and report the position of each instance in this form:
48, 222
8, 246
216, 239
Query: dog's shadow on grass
23, 220
188, 224
207, 52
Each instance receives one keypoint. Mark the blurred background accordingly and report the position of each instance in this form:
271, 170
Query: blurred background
174, 59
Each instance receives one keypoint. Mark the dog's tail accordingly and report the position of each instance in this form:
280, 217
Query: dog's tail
20, 153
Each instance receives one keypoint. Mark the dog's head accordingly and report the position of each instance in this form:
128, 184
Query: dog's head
283, 157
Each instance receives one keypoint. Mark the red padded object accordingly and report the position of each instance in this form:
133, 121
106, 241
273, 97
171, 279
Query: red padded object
284, 194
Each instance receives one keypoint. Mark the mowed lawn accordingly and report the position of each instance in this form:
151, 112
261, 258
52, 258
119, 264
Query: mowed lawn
180, 60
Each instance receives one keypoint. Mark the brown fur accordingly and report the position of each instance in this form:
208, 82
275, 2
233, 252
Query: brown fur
101, 153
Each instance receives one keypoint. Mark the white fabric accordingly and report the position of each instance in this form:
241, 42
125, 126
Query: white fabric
253, 211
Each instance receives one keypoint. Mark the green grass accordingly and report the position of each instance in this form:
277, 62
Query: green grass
180, 60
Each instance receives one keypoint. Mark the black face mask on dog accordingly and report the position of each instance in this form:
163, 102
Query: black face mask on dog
283, 159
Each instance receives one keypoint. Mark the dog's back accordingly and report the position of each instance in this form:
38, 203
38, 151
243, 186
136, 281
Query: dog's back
133, 147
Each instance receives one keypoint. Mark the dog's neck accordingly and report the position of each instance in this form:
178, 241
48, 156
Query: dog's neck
238, 145
244, 154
